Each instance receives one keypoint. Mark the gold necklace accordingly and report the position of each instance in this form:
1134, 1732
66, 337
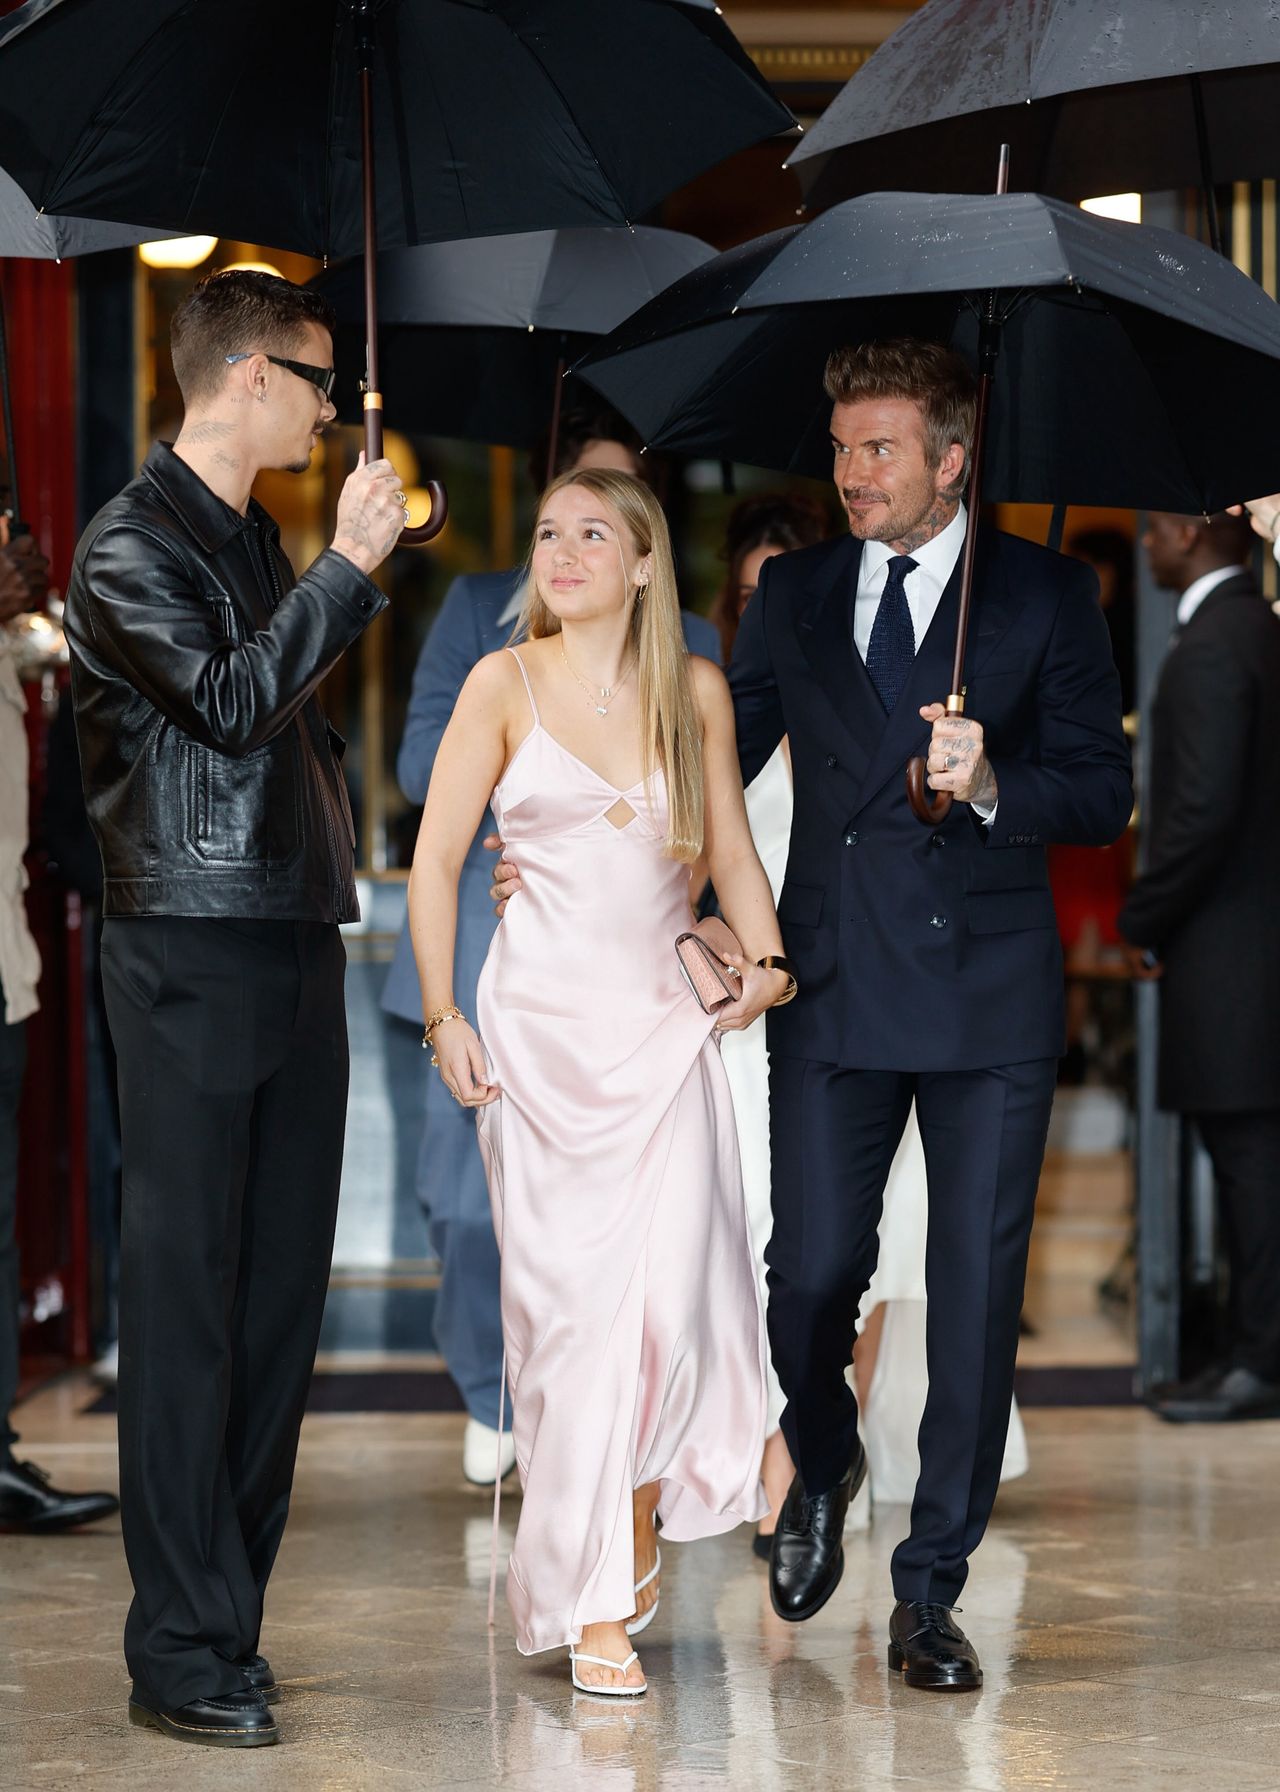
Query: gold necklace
607, 691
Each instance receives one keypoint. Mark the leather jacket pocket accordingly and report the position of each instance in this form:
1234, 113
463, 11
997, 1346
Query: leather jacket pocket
242, 811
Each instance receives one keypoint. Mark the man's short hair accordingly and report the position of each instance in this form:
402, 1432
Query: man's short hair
238, 312
934, 377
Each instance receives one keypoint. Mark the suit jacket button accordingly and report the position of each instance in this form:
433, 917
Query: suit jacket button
832, 761
938, 921
937, 839
851, 838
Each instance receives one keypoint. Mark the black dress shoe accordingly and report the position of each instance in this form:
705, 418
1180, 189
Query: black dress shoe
1233, 1394
232, 1720
807, 1559
30, 1502
259, 1678
929, 1649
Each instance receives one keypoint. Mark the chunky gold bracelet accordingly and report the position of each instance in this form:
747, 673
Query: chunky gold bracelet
438, 1019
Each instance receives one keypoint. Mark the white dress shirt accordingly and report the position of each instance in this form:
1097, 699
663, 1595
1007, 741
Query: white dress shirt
924, 585
1199, 589
934, 564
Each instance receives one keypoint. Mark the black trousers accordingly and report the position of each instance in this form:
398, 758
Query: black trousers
232, 1047
13, 1059
833, 1137
1245, 1151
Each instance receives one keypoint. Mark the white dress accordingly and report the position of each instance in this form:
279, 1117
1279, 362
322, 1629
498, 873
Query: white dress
895, 1405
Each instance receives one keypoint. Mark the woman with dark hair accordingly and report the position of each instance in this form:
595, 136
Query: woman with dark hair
761, 526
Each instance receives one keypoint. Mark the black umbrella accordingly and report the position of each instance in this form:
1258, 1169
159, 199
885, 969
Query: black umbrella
268, 120
476, 335
1142, 370
1094, 96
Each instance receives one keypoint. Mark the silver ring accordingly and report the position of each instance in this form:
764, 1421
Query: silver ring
400, 499
952, 762
405, 513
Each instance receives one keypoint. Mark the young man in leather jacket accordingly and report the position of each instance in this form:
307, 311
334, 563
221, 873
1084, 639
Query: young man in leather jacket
213, 787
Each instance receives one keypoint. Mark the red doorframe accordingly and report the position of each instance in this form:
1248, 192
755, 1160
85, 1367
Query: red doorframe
39, 301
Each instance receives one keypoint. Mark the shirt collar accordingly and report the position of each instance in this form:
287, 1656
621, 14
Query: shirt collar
1199, 589
937, 556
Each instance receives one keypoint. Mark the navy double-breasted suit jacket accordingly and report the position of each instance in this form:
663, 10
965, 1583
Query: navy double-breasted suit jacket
916, 947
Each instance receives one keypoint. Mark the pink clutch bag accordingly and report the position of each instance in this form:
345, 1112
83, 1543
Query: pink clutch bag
702, 953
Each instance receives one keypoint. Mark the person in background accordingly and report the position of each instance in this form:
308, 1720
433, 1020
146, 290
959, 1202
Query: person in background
759, 527
1201, 917
28, 1499
476, 618
1110, 552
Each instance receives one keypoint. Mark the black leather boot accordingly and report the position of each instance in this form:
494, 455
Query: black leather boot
231, 1720
259, 1678
808, 1546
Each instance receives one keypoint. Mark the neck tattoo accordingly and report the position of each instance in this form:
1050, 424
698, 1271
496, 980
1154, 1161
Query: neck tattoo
607, 692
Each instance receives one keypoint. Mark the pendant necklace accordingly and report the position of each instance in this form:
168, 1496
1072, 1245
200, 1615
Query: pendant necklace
607, 691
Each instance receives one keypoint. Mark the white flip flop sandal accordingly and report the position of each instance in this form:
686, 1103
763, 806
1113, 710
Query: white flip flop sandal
607, 1692
646, 1618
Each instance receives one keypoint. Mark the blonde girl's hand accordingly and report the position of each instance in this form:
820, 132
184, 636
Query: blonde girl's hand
760, 990
460, 1061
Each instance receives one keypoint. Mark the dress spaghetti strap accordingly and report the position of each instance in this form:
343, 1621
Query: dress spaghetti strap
537, 719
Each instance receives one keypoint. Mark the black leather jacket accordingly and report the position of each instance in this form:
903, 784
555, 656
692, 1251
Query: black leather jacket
210, 773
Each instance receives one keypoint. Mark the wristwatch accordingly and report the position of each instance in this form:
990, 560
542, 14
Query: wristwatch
774, 961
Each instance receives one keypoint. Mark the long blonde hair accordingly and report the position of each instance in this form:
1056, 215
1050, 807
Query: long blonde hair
671, 731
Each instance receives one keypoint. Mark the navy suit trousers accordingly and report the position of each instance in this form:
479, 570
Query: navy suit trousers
834, 1133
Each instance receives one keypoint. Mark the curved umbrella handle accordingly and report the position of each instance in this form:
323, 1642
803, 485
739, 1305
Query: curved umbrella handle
421, 533
926, 805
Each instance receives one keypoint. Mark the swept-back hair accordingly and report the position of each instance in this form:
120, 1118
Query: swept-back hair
235, 311
671, 726
934, 377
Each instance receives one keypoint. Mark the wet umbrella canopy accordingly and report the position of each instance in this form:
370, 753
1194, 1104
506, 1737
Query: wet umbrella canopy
1136, 368
1094, 96
242, 117
475, 334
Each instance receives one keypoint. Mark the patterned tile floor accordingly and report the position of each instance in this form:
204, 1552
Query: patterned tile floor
1124, 1603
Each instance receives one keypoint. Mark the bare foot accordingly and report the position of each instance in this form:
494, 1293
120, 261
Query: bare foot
644, 1506
612, 1642
776, 1471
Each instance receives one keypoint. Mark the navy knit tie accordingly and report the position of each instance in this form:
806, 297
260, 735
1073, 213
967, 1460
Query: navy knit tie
892, 647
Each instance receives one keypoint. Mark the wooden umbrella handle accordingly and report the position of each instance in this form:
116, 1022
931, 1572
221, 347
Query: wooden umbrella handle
926, 805
421, 533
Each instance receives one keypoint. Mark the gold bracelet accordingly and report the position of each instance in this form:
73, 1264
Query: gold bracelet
436, 1020
774, 961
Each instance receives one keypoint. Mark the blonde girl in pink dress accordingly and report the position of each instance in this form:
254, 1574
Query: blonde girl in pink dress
635, 1343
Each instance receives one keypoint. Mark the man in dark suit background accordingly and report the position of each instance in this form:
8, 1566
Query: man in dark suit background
1203, 916
927, 957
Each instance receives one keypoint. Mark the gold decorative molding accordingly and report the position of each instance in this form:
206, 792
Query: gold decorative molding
809, 62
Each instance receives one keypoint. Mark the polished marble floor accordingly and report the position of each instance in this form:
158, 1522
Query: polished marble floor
1125, 1603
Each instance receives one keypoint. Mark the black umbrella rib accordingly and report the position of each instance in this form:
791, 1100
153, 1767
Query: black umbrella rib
555, 87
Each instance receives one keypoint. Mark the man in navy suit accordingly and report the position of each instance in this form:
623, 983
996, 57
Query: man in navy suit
927, 956
477, 616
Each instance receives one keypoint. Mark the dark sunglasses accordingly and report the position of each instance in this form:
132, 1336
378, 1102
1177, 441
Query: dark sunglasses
323, 377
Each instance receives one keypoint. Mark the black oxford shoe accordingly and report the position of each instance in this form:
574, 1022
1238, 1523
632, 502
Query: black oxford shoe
259, 1678
30, 1502
929, 1649
808, 1546
1219, 1399
232, 1720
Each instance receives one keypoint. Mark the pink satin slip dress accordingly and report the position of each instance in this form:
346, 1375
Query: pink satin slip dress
630, 1310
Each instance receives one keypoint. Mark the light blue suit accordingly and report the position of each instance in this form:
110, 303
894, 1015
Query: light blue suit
476, 618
